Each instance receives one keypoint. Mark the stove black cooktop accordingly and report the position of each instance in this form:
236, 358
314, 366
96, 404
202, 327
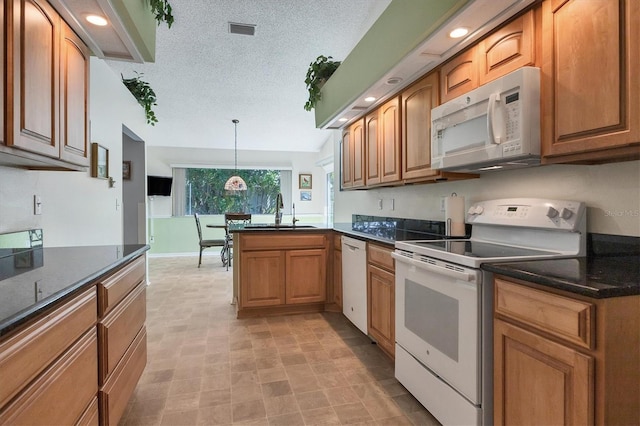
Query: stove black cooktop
478, 249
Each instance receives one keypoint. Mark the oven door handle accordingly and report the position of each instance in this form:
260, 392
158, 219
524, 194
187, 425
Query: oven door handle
459, 275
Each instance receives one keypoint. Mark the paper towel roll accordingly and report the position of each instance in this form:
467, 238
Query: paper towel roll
454, 216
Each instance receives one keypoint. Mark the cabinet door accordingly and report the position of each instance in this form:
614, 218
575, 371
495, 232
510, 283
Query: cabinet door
590, 69
36, 42
509, 48
74, 98
357, 151
337, 277
373, 154
345, 176
262, 278
537, 381
459, 75
417, 102
389, 141
381, 309
306, 276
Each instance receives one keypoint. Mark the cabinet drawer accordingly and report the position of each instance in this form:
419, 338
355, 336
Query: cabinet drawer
118, 329
114, 288
90, 417
270, 241
115, 394
380, 256
569, 319
61, 394
26, 354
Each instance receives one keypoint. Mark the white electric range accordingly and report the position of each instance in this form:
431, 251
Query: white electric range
444, 303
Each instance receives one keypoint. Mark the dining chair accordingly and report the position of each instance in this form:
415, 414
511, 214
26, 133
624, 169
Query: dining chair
207, 243
230, 219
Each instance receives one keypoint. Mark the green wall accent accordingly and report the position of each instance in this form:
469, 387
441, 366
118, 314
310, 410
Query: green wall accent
140, 23
401, 28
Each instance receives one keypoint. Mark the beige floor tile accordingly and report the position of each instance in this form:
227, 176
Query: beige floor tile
179, 418
279, 388
248, 411
212, 398
215, 415
179, 387
244, 378
183, 402
382, 407
312, 400
302, 384
279, 405
246, 393
272, 375
290, 419
216, 382
320, 416
352, 413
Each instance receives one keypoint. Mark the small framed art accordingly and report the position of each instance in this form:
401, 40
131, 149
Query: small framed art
99, 161
126, 170
305, 195
304, 181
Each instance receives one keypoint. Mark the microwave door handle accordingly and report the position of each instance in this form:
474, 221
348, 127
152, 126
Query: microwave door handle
494, 98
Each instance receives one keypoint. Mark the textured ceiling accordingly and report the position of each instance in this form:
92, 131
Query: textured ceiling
204, 76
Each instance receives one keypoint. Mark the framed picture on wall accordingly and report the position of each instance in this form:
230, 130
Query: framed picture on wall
305, 195
99, 161
304, 181
126, 170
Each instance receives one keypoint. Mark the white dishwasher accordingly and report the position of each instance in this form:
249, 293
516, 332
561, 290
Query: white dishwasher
354, 281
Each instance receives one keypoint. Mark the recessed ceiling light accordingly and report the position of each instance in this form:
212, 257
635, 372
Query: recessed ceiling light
393, 80
369, 99
96, 20
343, 119
459, 32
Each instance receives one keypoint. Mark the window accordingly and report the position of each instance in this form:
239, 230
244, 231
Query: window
201, 190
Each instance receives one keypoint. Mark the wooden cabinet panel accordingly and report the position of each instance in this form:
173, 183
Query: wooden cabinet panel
588, 115
381, 309
372, 138
380, 256
114, 288
262, 240
118, 329
306, 277
114, 396
459, 75
29, 352
74, 98
36, 56
346, 178
510, 47
357, 141
337, 277
569, 319
91, 416
390, 142
538, 381
417, 102
72, 377
262, 276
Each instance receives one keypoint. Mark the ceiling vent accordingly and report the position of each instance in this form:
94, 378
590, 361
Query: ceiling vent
244, 29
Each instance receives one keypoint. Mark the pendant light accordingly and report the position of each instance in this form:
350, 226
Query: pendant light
235, 184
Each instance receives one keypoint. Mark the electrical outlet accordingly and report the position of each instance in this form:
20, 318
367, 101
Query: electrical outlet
392, 205
37, 204
443, 202
379, 203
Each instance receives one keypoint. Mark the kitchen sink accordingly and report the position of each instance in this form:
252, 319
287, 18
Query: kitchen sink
274, 226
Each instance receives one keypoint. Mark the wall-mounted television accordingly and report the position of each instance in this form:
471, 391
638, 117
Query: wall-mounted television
159, 185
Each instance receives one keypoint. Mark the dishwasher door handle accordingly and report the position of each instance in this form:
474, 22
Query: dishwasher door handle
352, 248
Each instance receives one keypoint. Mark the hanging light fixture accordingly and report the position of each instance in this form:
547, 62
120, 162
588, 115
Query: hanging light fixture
235, 183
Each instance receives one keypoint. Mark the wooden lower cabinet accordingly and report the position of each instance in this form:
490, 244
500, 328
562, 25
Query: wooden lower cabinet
280, 272
336, 296
62, 393
538, 381
381, 297
561, 358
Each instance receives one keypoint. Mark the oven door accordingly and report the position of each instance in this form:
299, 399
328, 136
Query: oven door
438, 319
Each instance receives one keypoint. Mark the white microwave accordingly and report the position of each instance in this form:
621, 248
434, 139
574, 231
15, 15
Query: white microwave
493, 127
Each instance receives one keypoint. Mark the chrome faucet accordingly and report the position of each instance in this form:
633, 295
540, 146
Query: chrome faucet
279, 205
293, 207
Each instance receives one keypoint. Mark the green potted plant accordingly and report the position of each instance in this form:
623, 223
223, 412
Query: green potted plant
162, 11
319, 72
144, 94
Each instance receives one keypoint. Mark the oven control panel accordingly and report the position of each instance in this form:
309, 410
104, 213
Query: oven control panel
528, 212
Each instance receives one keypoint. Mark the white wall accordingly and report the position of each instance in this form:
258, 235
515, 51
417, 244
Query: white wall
77, 209
611, 192
160, 160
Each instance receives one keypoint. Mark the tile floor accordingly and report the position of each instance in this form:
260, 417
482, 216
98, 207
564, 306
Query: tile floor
205, 367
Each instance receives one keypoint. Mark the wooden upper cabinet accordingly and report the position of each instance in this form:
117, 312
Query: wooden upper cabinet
74, 98
357, 141
590, 86
389, 141
345, 173
507, 49
459, 75
372, 144
36, 50
417, 102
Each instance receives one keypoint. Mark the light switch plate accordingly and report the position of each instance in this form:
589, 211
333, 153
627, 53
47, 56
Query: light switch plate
37, 204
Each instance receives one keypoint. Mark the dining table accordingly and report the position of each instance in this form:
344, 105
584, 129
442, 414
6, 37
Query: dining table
226, 249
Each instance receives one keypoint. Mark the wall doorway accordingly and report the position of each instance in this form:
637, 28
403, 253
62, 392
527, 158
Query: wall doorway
133, 188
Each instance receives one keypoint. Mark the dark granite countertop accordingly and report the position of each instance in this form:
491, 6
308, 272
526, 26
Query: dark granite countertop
34, 280
611, 269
